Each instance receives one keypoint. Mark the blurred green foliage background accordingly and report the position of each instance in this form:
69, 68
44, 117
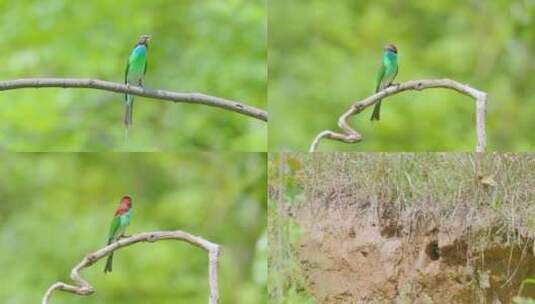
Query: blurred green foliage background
56, 208
323, 55
214, 47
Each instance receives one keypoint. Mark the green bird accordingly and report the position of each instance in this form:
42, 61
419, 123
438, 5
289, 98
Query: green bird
387, 73
121, 220
136, 67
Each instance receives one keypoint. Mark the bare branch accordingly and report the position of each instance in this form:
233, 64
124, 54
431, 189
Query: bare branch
349, 135
83, 287
195, 98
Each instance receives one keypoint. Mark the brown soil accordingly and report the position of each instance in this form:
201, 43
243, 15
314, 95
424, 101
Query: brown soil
372, 255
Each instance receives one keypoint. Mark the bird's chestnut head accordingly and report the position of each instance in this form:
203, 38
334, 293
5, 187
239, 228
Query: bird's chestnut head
126, 200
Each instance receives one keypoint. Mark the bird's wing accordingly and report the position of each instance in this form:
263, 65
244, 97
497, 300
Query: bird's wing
126, 76
114, 227
380, 77
126, 71
146, 64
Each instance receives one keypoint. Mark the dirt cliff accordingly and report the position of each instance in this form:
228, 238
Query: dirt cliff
359, 255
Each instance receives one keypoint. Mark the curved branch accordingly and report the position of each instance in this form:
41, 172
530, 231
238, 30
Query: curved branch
196, 98
349, 135
83, 287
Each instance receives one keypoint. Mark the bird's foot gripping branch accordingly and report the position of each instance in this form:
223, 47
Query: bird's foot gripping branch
83, 287
349, 135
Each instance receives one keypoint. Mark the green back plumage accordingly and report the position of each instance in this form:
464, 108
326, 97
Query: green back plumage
118, 225
136, 66
386, 75
388, 70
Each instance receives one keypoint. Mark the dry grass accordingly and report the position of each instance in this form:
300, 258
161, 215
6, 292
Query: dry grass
480, 187
481, 195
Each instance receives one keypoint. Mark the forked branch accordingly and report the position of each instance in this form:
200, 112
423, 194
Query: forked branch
349, 135
84, 288
195, 98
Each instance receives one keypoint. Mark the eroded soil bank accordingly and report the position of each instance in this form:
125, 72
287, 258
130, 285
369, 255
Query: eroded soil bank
365, 254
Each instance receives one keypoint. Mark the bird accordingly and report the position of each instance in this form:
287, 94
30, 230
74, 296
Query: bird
387, 73
121, 220
136, 67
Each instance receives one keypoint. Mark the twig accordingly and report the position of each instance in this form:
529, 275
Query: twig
195, 98
349, 135
83, 287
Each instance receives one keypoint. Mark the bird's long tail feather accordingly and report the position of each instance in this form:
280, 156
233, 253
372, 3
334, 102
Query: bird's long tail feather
109, 262
376, 111
129, 108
